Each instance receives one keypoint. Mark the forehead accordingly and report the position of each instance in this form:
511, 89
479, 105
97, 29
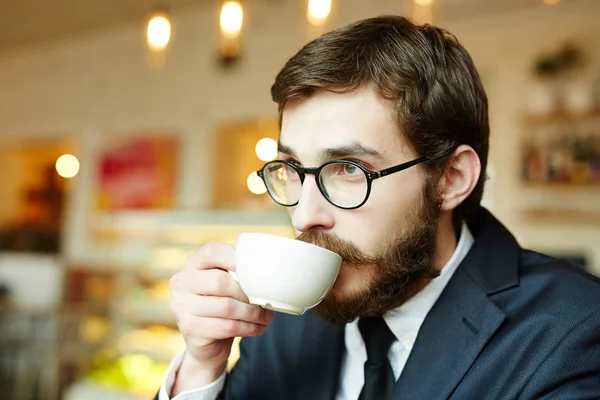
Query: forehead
329, 120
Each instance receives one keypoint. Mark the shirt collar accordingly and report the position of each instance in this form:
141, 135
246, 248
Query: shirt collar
405, 321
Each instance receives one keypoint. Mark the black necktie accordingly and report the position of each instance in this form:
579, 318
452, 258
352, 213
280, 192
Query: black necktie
379, 377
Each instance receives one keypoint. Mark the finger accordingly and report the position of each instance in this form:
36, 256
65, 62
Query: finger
203, 330
213, 255
210, 282
226, 308
221, 328
217, 282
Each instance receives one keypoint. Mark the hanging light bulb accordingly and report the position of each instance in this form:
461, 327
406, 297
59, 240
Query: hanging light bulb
158, 32
318, 11
232, 19
423, 11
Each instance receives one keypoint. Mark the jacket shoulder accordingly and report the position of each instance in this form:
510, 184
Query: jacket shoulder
550, 290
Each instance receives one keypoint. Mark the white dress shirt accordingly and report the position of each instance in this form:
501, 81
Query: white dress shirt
404, 321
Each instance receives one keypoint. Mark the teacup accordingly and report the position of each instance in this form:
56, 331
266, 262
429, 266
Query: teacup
284, 274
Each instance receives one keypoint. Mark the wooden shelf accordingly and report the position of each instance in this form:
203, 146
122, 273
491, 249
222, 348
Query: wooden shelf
562, 216
562, 117
560, 185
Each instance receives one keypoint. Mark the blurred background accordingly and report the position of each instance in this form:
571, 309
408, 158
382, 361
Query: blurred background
129, 130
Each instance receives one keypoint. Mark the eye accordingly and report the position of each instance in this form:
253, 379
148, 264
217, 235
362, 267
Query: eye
290, 170
289, 173
350, 169
344, 170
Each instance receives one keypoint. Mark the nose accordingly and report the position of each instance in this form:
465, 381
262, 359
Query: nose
313, 211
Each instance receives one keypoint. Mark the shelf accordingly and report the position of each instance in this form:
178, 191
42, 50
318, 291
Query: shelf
183, 227
160, 315
562, 118
562, 216
159, 219
560, 185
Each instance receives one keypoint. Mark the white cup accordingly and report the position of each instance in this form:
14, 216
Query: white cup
284, 274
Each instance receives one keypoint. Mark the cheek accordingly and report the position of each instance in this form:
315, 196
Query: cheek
398, 193
367, 227
378, 228
383, 216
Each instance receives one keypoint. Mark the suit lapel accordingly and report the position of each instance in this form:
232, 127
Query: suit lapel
464, 318
449, 340
319, 359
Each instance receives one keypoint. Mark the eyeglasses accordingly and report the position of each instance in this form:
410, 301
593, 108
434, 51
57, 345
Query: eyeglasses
345, 184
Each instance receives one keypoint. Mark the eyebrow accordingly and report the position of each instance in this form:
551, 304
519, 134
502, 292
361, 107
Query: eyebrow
351, 149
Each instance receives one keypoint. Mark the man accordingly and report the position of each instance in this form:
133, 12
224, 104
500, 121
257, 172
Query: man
383, 151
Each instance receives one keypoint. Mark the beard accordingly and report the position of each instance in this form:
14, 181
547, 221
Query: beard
397, 272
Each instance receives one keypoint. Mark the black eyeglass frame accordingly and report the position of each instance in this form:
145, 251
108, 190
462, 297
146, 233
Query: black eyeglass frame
371, 176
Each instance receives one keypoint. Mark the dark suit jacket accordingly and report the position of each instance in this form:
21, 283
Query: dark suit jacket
510, 324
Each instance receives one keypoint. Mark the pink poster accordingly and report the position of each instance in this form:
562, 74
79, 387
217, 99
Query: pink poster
137, 173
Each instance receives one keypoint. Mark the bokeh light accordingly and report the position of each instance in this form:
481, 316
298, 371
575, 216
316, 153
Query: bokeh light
232, 19
266, 149
67, 166
159, 32
256, 184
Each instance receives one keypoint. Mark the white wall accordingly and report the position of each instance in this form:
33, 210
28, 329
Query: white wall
503, 48
99, 84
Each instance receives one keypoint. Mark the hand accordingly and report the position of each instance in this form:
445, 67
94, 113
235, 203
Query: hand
211, 310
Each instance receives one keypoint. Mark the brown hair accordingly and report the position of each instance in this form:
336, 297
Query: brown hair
423, 71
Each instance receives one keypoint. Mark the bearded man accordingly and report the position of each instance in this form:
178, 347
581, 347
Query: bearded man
383, 147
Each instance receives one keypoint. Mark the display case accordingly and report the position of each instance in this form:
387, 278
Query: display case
126, 335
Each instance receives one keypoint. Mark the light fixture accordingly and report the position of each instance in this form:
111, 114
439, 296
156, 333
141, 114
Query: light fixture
158, 32
318, 11
232, 19
423, 11
67, 166
231, 22
256, 184
266, 149
551, 2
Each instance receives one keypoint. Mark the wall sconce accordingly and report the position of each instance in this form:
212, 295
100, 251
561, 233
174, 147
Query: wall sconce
231, 23
158, 37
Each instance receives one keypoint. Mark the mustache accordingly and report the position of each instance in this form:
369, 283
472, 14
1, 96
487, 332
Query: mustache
349, 252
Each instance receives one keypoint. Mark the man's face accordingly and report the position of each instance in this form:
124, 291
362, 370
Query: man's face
387, 244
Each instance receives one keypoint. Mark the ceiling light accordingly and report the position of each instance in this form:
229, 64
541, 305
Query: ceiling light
158, 32
318, 11
232, 19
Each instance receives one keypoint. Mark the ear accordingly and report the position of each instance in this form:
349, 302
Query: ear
460, 177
